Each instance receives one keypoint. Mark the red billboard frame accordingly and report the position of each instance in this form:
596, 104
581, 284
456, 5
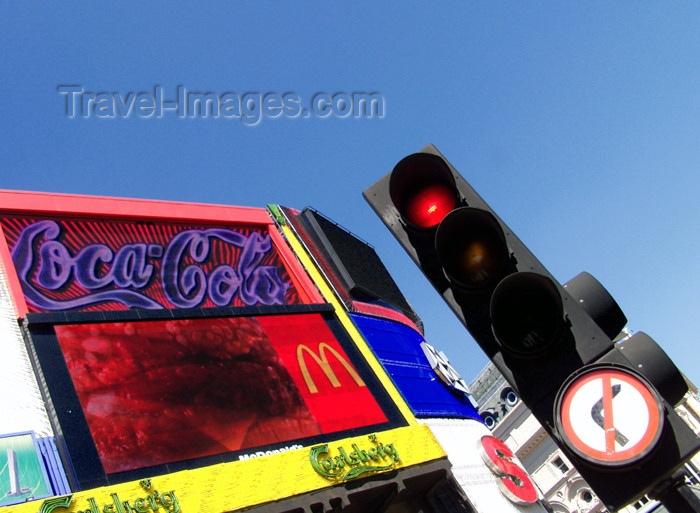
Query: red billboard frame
63, 206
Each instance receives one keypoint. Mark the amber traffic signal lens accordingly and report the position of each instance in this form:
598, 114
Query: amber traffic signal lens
471, 247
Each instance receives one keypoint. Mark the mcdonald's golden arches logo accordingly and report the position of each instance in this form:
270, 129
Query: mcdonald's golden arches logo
321, 359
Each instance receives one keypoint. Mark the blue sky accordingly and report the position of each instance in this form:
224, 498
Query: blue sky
577, 122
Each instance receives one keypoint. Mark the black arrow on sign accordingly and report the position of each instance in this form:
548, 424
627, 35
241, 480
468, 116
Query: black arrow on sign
597, 415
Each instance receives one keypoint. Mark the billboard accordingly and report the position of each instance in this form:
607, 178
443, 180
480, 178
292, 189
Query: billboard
400, 348
95, 264
22, 473
227, 384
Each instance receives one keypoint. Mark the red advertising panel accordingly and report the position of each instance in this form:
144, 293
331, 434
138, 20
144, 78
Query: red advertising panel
91, 265
223, 384
332, 388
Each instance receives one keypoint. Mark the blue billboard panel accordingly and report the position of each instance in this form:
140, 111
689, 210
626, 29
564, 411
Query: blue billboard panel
398, 348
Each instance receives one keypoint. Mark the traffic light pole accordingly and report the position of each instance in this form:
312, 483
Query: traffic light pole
676, 495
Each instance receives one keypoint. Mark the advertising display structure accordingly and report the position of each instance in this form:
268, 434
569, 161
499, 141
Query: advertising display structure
92, 264
399, 348
195, 358
175, 336
160, 395
22, 472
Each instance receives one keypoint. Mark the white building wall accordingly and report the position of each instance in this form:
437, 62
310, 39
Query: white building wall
459, 438
565, 490
563, 487
21, 403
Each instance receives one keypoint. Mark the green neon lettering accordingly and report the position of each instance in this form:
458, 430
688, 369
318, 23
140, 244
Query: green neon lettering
314, 453
55, 502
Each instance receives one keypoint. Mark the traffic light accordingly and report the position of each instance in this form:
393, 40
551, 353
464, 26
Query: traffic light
552, 343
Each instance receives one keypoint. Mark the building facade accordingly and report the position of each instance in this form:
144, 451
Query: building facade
203, 358
565, 490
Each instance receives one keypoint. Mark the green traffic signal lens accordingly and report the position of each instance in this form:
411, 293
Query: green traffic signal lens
527, 314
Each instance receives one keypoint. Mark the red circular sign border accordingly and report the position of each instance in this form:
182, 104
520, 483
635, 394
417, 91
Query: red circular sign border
621, 458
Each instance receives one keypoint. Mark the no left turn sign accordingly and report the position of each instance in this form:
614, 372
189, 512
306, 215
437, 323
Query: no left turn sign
609, 416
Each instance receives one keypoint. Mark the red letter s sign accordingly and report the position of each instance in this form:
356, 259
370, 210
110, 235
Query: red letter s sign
514, 481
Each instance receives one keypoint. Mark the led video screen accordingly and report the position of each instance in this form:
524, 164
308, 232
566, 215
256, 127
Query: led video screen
160, 391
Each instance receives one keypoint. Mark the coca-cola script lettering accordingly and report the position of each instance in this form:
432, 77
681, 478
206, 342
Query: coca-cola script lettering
168, 267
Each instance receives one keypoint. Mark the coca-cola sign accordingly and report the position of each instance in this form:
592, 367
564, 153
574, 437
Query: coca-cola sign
102, 265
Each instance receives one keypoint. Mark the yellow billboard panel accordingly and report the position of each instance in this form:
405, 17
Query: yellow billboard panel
241, 484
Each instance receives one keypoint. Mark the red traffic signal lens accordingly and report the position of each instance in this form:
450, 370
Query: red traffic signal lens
472, 248
428, 205
422, 188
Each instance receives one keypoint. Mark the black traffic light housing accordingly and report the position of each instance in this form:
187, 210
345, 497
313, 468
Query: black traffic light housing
470, 256
537, 332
